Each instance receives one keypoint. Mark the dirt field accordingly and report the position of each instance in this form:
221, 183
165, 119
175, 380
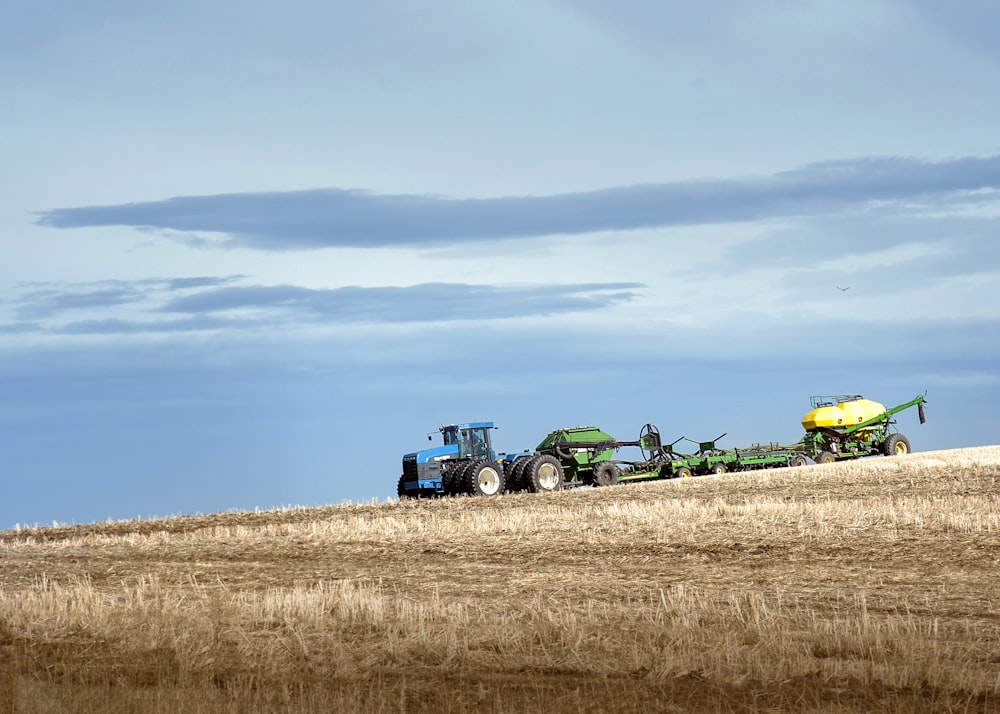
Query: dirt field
869, 586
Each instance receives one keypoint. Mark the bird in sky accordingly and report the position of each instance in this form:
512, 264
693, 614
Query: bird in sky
843, 289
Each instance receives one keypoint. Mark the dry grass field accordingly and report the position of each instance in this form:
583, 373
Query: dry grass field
867, 586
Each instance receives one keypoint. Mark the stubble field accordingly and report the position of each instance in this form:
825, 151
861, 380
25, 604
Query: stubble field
863, 586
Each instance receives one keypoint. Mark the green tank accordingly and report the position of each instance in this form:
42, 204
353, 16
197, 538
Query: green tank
579, 449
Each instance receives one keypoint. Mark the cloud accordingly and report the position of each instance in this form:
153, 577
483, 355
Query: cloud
221, 306
50, 300
118, 326
356, 218
431, 302
20, 328
972, 27
931, 246
46, 303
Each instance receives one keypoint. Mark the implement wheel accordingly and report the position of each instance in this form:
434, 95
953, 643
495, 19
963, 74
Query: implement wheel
797, 460
896, 445
605, 474
544, 474
484, 478
825, 457
683, 472
717, 468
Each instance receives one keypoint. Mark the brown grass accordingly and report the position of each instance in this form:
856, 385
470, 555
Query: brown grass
864, 586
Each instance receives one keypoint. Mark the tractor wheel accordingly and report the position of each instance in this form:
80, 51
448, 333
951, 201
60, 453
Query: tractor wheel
717, 468
825, 457
797, 460
453, 480
484, 478
683, 472
896, 445
544, 474
447, 481
400, 489
605, 474
515, 474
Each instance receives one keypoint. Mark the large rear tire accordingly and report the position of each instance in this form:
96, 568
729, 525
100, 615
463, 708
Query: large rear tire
896, 445
605, 474
484, 478
401, 490
544, 474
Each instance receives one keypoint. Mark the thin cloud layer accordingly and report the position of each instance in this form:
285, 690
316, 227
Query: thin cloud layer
48, 300
355, 218
932, 246
431, 302
157, 308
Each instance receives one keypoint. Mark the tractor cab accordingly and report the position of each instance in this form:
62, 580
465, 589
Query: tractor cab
472, 440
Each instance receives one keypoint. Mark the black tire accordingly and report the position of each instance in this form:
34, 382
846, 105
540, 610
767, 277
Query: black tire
400, 490
797, 460
606, 474
453, 479
825, 457
717, 468
515, 474
544, 474
896, 445
447, 480
683, 472
484, 478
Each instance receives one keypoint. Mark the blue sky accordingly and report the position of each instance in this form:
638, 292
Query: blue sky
252, 255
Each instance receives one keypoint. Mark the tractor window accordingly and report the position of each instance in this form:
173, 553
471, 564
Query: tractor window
480, 443
472, 443
458, 438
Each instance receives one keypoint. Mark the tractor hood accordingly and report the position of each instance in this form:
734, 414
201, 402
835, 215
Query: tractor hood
434, 454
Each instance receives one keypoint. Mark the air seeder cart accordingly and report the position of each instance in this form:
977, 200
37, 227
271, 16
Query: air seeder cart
850, 426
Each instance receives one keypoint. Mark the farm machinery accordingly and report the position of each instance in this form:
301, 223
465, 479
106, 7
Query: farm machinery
467, 463
837, 428
850, 426
578, 456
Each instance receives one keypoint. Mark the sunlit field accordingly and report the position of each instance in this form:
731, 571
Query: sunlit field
867, 586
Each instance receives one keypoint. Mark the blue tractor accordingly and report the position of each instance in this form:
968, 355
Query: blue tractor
466, 463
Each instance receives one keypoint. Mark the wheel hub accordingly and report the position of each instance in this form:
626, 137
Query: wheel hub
489, 481
547, 477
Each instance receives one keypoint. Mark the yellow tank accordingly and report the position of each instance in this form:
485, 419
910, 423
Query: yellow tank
836, 412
